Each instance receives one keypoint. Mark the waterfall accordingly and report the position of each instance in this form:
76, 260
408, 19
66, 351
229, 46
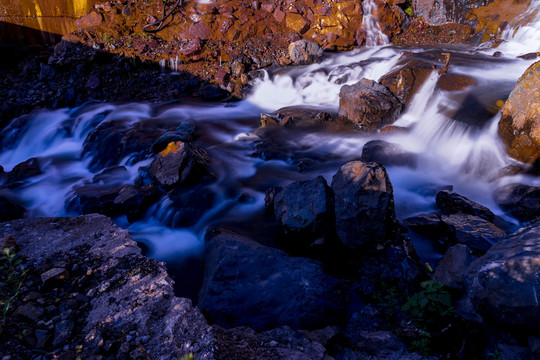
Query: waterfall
372, 30
523, 34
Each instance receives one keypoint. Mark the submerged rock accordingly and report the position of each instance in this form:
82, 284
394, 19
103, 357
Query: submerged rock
368, 105
246, 283
305, 209
388, 154
503, 284
364, 205
519, 127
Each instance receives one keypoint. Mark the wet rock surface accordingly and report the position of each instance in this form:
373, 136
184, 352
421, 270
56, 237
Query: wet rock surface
518, 127
503, 283
368, 105
263, 278
364, 205
89, 291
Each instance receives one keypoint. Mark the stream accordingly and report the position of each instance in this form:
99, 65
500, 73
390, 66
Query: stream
454, 135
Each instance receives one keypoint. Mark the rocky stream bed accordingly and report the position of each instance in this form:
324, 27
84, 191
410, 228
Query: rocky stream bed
236, 186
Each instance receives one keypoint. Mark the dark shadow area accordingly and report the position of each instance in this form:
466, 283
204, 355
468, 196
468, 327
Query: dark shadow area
41, 74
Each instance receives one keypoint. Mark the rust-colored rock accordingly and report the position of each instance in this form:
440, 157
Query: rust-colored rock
297, 23
92, 19
405, 81
519, 126
454, 82
368, 105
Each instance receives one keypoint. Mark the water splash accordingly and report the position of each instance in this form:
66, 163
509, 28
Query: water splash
371, 27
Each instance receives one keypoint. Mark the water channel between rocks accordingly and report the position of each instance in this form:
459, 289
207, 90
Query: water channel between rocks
453, 133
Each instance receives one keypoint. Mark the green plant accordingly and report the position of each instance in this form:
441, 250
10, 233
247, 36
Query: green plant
495, 355
431, 307
409, 11
188, 356
13, 274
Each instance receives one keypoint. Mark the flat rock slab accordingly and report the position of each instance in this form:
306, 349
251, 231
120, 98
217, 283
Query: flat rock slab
132, 289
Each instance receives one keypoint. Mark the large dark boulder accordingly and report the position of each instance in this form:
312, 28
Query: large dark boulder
179, 164
306, 209
388, 154
246, 283
504, 283
519, 200
364, 205
405, 81
519, 127
368, 105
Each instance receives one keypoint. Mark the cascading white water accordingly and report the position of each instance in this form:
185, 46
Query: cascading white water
370, 26
523, 35
450, 152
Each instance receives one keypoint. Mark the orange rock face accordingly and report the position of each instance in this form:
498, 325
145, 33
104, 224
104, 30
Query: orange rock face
519, 126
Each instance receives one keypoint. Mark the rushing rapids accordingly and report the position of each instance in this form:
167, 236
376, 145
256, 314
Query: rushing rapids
453, 134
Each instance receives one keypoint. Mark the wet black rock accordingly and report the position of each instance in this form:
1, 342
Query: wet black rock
449, 202
180, 164
368, 105
430, 226
364, 205
473, 231
10, 210
451, 268
62, 332
134, 201
23, 171
388, 154
520, 201
246, 283
185, 132
269, 197
503, 284
305, 210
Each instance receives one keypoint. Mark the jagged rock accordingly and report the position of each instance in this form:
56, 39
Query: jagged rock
184, 132
521, 201
29, 311
62, 332
305, 209
92, 19
473, 231
503, 284
451, 267
23, 171
387, 154
520, 119
54, 275
179, 164
304, 52
269, 196
449, 202
246, 283
364, 205
405, 81
368, 105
